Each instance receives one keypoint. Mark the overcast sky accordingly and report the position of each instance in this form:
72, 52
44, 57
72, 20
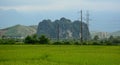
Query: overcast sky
54, 5
101, 11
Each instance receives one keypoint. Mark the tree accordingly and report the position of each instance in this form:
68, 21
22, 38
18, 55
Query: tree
31, 39
34, 38
43, 40
96, 37
7, 41
116, 40
111, 38
96, 40
28, 39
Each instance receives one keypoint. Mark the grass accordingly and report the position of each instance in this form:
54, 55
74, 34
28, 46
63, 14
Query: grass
59, 55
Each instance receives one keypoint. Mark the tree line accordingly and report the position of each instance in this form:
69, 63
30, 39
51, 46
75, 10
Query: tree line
34, 39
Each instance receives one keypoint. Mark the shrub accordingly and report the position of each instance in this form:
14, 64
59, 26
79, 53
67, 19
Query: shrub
76, 43
7, 41
84, 43
108, 43
96, 37
58, 43
43, 40
29, 39
96, 43
67, 43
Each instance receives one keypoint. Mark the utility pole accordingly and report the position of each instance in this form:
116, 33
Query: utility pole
81, 34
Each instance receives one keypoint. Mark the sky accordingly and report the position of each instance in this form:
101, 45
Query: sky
104, 14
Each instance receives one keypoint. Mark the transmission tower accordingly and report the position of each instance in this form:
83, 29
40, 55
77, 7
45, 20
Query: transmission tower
81, 32
87, 21
58, 32
87, 18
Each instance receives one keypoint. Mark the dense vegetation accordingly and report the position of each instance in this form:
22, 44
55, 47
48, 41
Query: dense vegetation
34, 39
59, 55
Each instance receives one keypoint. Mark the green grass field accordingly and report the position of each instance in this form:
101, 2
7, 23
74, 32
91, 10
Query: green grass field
59, 55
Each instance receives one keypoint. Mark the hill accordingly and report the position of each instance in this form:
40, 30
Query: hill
117, 33
104, 34
19, 31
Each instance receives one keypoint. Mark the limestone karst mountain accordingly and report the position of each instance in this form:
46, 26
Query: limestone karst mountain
67, 29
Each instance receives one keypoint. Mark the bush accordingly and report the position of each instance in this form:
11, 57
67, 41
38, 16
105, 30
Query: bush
116, 41
29, 39
96, 43
108, 43
76, 43
67, 43
7, 41
43, 40
84, 43
57, 43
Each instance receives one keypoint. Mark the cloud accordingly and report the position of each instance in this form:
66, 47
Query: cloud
53, 5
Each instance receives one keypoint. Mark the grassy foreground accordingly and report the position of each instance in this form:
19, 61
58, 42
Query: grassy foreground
59, 55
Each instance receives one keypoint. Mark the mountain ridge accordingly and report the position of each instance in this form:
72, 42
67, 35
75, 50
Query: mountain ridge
18, 30
22, 30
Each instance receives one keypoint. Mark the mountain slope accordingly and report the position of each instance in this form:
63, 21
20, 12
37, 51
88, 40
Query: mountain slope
117, 33
107, 34
19, 30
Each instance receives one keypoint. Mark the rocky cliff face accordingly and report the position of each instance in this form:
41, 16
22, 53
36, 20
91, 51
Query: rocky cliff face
67, 29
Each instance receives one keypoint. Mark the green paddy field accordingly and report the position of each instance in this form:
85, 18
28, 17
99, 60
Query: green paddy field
59, 55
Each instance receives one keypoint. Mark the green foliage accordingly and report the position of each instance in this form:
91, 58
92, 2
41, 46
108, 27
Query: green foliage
96, 43
114, 40
7, 41
76, 43
108, 43
111, 38
84, 43
96, 38
34, 39
27, 39
43, 40
31, 39
67, 42
58, 43
117, 40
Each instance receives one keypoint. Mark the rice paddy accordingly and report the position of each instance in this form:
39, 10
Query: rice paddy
59, 55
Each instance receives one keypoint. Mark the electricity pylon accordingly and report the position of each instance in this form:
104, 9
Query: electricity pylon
81, 28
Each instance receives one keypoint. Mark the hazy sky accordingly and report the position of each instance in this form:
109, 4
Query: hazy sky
60, 5
105, 14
